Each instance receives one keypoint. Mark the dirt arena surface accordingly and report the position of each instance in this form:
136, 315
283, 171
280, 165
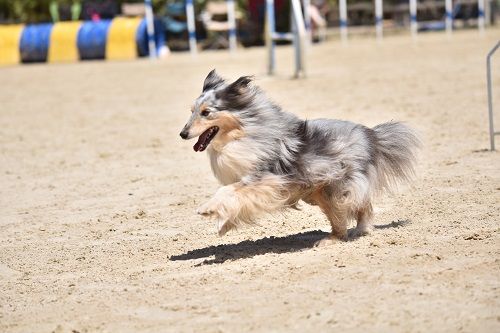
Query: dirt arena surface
98, 231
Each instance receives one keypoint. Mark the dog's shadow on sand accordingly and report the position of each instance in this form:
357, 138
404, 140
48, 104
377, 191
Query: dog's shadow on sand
251, 248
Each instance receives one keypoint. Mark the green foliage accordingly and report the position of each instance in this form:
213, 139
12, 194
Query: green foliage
35, 11
24, 10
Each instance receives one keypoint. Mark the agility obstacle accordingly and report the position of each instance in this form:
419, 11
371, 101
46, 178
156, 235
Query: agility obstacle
449, 15
298, 36
343, 19
379, 19
64, 42
150, 27
117, 39
231, 20
191, 26
490, 96
10, 38
413, 8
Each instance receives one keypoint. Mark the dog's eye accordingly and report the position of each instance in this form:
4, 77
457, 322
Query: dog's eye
205, 113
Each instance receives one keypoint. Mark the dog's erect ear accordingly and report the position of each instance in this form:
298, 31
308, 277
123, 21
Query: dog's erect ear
238, 94
239, 86
212, 80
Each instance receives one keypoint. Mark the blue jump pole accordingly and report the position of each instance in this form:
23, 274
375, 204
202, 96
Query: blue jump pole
150, 29
449, 15
231, 18
413, 18
191, 26
343, 19
480, 15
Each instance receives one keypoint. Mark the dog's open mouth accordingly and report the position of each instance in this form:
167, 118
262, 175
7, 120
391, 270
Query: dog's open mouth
205, 138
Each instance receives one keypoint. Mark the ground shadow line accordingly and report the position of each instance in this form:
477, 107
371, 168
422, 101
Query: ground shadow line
251, 248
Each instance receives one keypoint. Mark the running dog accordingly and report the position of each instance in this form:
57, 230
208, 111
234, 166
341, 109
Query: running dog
268, 159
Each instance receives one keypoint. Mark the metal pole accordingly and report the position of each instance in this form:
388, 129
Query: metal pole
487, 13
231, 18
307, 18
301, 37
343, 19
490, 97
480, 15
379, 18
296, 42
413, 17
449, 16
150, 27
270, 44
191, 26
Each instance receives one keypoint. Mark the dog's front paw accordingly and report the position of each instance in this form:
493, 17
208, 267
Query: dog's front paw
208, 209
212, 210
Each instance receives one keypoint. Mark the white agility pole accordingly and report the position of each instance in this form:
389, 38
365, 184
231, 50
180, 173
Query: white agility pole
449, 15
480, 15
270, 41
300, 37
191, 26
150, 27
231, 18
297, 36
307, 19
487, 13
490, 96
413, 17
343, 19
379, 18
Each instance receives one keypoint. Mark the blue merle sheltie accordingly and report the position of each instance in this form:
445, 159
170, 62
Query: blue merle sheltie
268, 159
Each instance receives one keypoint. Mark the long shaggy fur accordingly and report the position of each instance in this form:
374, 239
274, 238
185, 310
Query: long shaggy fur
268, 159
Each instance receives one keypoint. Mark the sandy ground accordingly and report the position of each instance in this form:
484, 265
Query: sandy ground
98, 231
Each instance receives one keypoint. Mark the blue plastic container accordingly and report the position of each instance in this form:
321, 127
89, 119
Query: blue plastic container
35, 41
142, 37
91, 40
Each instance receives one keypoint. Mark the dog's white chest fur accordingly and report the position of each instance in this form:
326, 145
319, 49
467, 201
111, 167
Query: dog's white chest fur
234, 161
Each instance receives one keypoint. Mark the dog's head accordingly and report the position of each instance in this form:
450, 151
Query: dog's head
215, 114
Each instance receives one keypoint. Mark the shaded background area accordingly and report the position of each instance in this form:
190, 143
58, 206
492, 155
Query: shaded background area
250, 18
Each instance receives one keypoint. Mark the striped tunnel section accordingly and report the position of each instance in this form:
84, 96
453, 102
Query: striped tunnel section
10, 39
121, 43
118, 39
35, 41
63, 42
91, 40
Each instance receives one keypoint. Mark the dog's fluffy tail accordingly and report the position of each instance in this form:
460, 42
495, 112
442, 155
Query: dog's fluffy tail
397, 148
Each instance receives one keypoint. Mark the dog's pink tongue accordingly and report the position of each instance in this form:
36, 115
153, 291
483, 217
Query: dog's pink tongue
200, 144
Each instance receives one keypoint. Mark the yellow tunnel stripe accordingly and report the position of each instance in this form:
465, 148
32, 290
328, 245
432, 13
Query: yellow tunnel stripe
63, 42
121, 44
10, 37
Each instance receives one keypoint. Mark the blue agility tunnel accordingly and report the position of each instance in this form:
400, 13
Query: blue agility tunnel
117, 39
35, 41
91, 40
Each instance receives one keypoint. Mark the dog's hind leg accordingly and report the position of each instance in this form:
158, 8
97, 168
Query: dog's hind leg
364, 218
336, 214
242, 202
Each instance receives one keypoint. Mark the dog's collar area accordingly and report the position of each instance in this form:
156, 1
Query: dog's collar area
205, 138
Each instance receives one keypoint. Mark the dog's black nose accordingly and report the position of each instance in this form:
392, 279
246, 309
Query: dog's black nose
184, 134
